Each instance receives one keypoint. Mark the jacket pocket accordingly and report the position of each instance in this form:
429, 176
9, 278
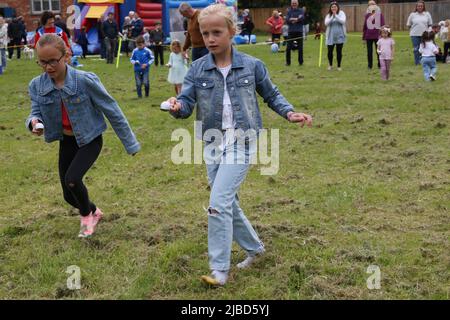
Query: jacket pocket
246, 80
204, 83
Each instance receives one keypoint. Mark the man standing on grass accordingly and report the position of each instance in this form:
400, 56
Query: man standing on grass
193, 36
110, 31
294, 21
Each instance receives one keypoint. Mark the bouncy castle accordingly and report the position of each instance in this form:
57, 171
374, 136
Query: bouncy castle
92, 12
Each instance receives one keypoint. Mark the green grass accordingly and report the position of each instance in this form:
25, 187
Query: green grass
367, 185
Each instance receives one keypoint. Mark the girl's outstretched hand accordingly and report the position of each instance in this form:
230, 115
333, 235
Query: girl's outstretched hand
301, 118
35, 130
175, 106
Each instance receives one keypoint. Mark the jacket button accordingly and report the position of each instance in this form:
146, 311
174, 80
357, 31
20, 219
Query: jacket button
204, 84
245, 81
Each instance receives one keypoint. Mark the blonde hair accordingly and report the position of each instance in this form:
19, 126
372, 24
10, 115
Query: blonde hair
220, 10
53, 40
175, 43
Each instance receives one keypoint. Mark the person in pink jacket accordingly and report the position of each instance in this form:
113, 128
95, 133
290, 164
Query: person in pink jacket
276, 24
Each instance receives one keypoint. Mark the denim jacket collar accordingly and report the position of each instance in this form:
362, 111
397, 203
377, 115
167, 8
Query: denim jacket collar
70, 83
236, 61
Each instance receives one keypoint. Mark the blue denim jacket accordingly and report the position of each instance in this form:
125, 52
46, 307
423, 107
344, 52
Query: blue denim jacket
204, 86
86, 101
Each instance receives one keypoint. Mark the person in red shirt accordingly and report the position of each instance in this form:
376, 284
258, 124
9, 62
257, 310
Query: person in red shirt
48, 26
276, 24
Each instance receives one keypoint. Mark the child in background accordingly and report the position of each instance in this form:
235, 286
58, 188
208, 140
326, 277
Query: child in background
178, 66
146, 36
428, 50
317, 31
385, 49
223, 85
157, 41
72, 104
141, 58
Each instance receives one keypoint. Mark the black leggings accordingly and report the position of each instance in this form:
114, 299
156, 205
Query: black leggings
370, 45
338, 51
74, 162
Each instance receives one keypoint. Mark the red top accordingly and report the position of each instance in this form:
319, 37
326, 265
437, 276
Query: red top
275, 24
41, 31
65, 119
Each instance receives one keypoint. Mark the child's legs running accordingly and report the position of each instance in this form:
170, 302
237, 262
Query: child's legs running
146, 83
67, 150
139, 79
243, 232
426, 68
330, 54
433, 66
81, 163
220, 216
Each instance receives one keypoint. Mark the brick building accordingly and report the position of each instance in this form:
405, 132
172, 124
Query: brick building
31, 10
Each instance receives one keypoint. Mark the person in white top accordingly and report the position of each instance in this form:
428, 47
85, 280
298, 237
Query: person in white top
428, 49
418, 22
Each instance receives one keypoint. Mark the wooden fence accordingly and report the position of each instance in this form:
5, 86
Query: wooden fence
395, 14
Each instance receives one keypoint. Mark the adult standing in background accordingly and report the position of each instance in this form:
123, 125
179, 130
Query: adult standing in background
111, 32
137, 27
336, 33
194, 37
23, 29
15, 37
126, 33
373, 21
306, 22
294, 20
418, 22
275, 22
372, 4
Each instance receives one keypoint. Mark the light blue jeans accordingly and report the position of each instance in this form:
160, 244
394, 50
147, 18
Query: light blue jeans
429, 67
226, 220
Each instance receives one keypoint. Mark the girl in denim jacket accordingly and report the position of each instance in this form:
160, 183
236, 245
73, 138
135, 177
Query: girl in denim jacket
71, 105
223, 84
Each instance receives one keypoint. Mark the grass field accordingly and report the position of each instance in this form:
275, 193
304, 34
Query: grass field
367, 185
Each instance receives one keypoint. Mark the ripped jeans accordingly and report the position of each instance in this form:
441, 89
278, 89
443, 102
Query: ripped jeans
226, 220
